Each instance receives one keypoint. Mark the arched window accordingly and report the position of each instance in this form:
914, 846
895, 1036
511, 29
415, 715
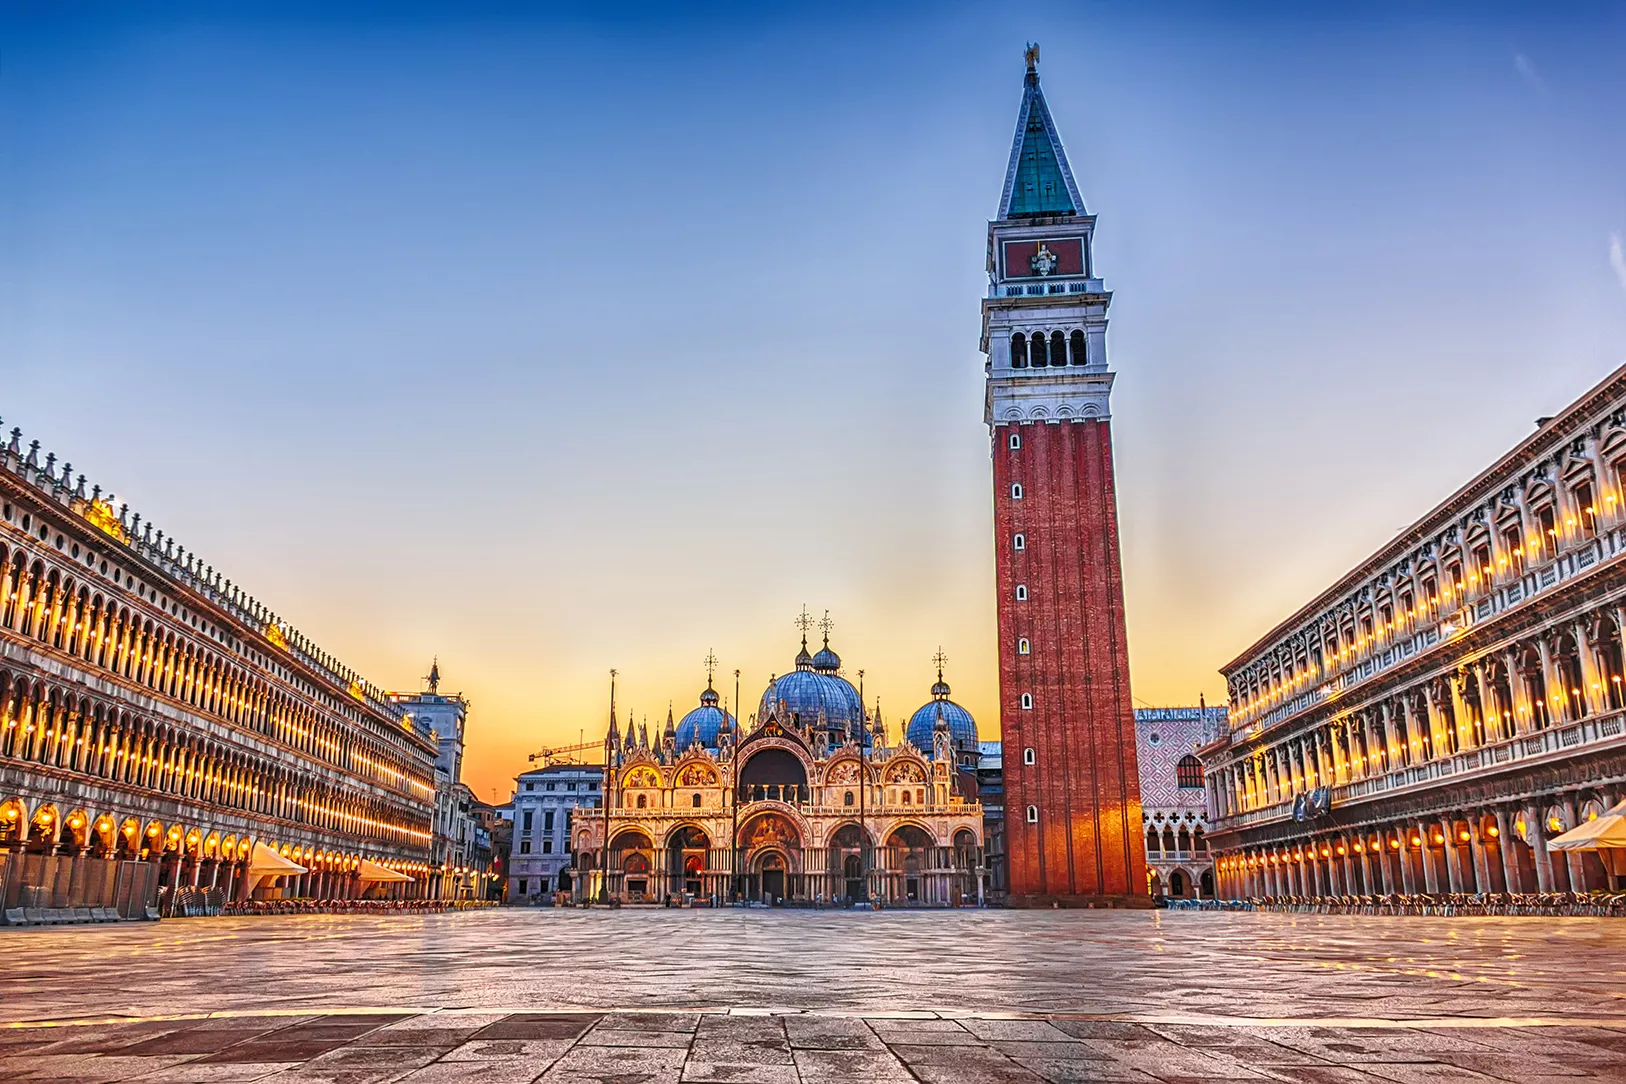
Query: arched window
907, 797
1021, 592
1058, 348
1076, 344
696, 801
1027, 701
1028, 756
1022, 646
1567, 664
1019, 351
1033, 814
643, 802
1016, 491
1609, 660
847, 799
1015, 441
1039, 352
1019, 543
1189, 772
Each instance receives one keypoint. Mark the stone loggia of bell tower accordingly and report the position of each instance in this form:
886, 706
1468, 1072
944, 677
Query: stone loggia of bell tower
1072, 799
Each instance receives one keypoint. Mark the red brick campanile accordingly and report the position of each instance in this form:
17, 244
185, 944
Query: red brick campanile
1072, 794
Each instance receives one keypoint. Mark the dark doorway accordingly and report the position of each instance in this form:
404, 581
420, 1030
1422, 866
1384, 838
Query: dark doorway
853, 872
773, 878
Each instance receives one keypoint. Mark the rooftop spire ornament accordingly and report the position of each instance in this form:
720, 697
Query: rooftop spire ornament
711, 667
1032, 56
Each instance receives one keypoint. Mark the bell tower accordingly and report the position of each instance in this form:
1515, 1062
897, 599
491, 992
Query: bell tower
1072, 794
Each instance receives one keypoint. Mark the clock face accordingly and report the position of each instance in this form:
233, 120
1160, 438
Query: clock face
1040, 259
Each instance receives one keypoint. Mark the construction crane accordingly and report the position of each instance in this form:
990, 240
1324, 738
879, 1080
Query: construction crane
563, 754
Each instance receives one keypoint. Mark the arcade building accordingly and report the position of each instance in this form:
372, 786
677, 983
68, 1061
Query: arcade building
805, 803
165, 735
1436, 715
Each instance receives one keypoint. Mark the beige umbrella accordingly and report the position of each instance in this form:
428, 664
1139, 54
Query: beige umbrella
266, 863
269, 863
1605, 834
372, 871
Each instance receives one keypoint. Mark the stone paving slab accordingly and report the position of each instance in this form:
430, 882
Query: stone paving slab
1104, 963
715, 997
452, 1047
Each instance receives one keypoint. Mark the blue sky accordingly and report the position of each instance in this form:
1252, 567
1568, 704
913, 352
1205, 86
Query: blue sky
561, 340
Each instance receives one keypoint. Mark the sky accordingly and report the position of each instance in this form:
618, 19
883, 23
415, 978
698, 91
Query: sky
556, 340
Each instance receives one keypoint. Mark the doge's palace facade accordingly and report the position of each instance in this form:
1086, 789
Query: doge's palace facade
1429, 721
157, 723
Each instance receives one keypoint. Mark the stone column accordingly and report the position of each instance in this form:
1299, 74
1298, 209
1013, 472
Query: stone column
1593, 693
1431, 875
1453, 858
1511, 878
1476, 848
1408, 873
1544, 864
1430, 725
1519, 719
1459, 714
1552, 680
1574, 859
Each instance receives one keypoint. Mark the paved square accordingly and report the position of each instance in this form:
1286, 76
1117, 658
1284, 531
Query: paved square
654, 995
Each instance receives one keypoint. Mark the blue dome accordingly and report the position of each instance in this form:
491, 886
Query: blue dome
827, 661
702, 725
806, 692
962, 728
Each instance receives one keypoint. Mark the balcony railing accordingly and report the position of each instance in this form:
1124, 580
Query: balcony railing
1050, 288
1533, 581
1521, 750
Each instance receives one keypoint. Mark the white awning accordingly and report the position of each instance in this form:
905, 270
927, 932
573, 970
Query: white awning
1605, 835
372, 871
269, 863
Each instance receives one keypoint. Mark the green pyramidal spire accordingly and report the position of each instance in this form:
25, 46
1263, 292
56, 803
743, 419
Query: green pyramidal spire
1038, 181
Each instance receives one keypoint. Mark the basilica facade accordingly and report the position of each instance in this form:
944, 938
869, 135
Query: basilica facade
805, 803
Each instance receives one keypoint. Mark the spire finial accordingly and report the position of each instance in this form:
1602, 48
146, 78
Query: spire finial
941, 660
433, 680
804, 621
711, 667
826, 625
1032, 57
